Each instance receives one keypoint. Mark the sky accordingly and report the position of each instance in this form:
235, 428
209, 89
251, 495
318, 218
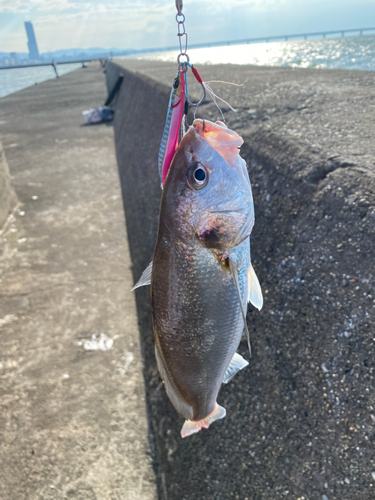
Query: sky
135, 24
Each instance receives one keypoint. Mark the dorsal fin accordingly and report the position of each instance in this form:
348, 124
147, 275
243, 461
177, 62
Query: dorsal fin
145, 279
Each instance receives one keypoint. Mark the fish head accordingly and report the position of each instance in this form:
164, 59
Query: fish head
207, 190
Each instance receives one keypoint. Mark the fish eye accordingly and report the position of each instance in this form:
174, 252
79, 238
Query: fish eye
197, 176
200, 174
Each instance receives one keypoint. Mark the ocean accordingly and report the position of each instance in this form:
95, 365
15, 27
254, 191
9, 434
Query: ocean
354, 52
12, 80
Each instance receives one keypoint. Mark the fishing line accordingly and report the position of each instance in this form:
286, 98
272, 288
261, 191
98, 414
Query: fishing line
214, 97
228, 83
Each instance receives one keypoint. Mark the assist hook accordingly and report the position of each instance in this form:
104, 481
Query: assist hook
199, 80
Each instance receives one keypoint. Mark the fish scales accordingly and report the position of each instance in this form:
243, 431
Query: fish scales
197, 319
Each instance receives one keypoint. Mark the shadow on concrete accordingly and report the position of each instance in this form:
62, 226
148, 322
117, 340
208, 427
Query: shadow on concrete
108, 124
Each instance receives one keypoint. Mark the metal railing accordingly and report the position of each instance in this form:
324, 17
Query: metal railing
52, 63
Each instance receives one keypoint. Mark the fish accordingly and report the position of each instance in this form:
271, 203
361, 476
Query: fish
201, 274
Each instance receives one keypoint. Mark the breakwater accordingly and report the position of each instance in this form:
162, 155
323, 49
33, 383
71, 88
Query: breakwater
300, 419
73, 420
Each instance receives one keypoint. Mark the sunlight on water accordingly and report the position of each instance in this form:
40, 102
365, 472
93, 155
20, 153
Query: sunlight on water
344, 53
355, 52
15, 79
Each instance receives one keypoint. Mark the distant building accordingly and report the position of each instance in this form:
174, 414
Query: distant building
33, 47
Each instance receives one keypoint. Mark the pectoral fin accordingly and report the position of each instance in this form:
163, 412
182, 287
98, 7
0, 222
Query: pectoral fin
235, 277
237, 364
255, 292
145, 279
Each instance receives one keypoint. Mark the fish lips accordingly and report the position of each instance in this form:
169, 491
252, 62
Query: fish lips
224, 230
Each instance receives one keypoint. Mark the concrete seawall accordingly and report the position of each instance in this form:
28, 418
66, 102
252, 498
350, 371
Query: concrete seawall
301, 418
73, 416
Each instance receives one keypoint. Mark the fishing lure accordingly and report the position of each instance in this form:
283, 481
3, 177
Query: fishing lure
170, 137
178, 106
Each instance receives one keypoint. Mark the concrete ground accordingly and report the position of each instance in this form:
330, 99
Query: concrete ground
300, 421
73, 421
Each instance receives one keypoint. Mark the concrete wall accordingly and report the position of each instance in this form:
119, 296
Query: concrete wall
300, 419
8, 198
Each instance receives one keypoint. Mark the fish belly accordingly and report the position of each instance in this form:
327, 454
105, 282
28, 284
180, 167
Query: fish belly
197, 319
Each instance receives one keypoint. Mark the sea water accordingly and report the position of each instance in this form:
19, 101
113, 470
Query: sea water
354, 52
15, 79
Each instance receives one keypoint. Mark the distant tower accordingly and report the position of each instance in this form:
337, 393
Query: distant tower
33, 47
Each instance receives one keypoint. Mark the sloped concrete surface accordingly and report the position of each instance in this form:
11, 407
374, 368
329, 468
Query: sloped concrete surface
300, 419
73, 422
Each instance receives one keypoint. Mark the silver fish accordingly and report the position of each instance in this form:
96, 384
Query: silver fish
201, 275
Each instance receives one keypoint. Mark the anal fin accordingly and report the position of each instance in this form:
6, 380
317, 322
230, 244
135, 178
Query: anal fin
192, 426
237, 364
145, 279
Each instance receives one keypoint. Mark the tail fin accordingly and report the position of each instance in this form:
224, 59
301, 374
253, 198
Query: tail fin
192, 426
